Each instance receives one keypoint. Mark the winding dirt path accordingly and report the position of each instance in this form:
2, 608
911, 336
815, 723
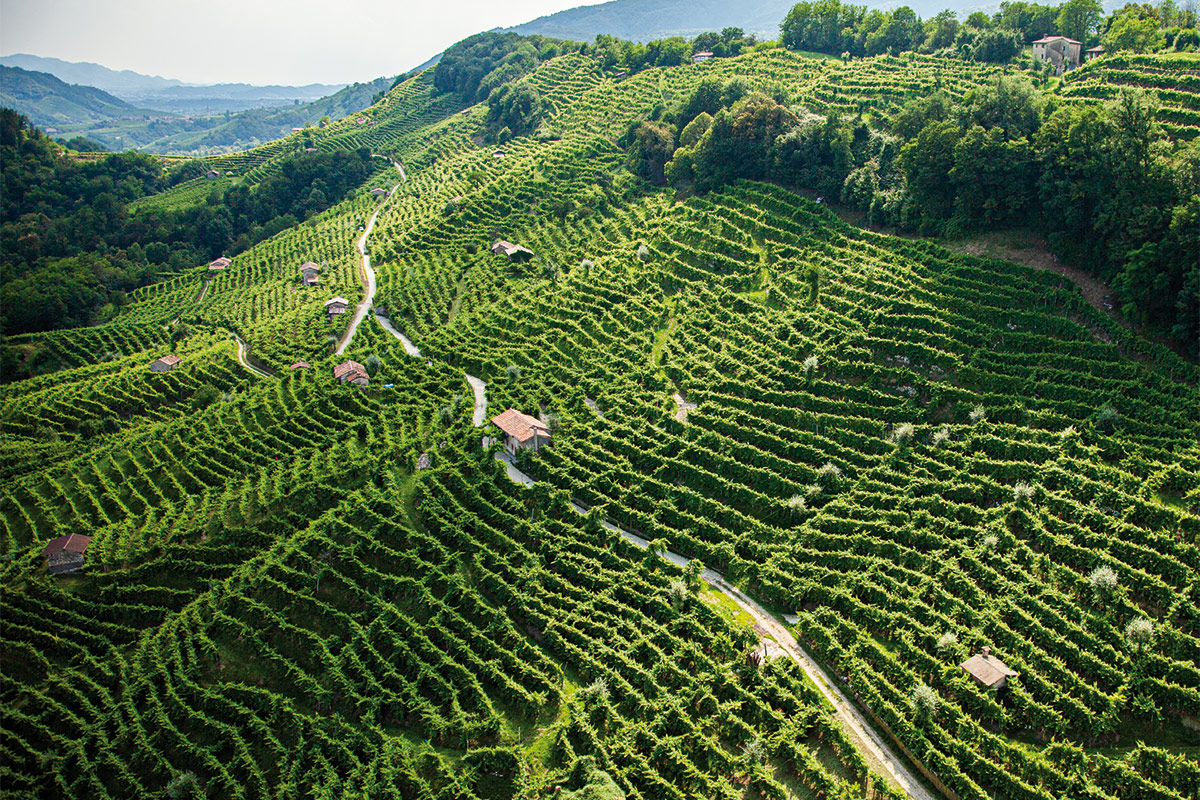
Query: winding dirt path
479, 388
409, 347
241, 357
368, 274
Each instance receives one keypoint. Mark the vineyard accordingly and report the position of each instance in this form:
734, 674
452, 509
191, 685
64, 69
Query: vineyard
1173, 80
297, 587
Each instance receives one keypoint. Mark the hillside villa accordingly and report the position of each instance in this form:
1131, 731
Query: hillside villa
1060, 51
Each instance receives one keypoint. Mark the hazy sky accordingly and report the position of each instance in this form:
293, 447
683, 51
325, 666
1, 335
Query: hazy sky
256, 41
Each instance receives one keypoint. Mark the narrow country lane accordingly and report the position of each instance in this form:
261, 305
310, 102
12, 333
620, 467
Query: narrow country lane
241, 357
368, 273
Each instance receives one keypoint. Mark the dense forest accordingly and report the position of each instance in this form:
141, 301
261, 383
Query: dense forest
72, 249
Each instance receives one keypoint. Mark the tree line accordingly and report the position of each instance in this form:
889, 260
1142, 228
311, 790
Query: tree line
72, 247
837, 28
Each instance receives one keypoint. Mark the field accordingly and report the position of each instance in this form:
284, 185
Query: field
912, 453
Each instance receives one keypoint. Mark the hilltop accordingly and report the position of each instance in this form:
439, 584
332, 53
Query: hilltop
50, 102
894, 455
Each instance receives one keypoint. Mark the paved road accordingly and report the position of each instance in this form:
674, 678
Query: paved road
368, 273
879, 755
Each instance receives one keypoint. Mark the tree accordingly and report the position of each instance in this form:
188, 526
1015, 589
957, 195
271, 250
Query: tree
923, 702
1078, 19
1103, 582
1139, 633
926, 162
651, 145
1130, 32
373, 364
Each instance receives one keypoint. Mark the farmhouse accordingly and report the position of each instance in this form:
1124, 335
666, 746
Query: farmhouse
1060, 51
351, 372
212, 174
701, 57
988, 670
219, 264
166, 363
310, 273
513, 252
522, 431
337, 305
65, 554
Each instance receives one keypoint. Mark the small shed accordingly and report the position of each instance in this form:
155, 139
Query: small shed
212, 174
301, 365
1093, 52
65, 554
166, 363
351, 372
987, 670
219, 264
337, 305
513, 252
702, 56
522, 431
310, 273
498, 154
379, 191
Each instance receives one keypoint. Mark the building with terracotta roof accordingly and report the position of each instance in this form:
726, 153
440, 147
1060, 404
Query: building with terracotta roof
166, 363
301, 365
513, 252
219, 263
988, 670
65, 554
212, 174
1060, 51
1093, 52
351, 372
702, 56
337, 305
522, 431
310, 273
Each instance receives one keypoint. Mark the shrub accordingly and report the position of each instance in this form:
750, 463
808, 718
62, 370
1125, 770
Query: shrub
978, 414
903, 433
1022, 492
924, 702
947, 644
1139, 632
1103, 581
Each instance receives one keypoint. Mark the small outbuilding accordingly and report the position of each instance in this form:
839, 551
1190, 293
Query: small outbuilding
351, 372
301, 365
988, 670
310, 273
498, 154
702, 56
513, 252
212, 174
219, 264
1093, 52
378, 192
166, 363
65, 554
522, 431
337, 305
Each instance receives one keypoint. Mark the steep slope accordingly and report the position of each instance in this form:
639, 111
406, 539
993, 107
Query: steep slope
889, 441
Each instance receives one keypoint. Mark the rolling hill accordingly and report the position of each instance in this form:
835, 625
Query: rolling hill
895, 455
49, 102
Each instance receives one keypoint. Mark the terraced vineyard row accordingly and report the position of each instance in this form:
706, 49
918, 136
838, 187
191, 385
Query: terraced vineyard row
1172, 79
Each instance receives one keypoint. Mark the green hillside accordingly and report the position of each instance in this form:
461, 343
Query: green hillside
298, 587
50, 102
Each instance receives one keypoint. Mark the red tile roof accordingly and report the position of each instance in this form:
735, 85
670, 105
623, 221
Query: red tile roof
309, 265
219, 263
71, 543
349, 370
521, 427
301, 365
171, 360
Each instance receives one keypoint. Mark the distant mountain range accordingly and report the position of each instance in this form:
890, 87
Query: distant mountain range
67, 111
166, 94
